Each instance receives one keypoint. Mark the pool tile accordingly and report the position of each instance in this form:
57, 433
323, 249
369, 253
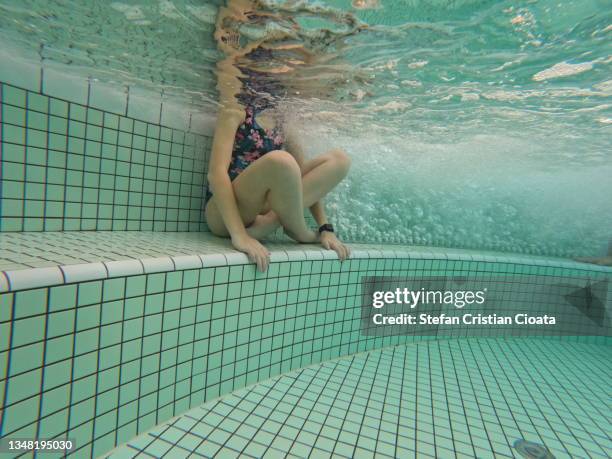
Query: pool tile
34, 277
84, 272
108, 97
123, 268
144, 105
19, 70
187, 262
159, 264
235, 258
212, 260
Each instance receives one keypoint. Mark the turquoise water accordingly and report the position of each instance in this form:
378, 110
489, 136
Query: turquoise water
150, 44
472, 124
483, 125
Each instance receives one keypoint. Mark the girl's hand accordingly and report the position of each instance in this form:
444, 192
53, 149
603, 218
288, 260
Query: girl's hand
331, 242
256, 252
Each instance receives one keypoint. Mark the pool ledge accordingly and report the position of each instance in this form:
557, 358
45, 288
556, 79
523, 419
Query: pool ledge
35, 260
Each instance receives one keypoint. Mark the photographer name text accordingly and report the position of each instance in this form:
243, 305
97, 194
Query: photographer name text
458, 299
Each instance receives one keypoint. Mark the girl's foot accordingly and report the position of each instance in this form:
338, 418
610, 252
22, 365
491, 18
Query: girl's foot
263, 225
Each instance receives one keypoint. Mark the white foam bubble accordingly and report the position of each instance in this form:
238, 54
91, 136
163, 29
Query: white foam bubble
393, 106
411, 83
417, 64
562, 69
469, 96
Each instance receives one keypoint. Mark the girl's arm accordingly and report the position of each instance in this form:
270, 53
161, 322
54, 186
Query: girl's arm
221, 186
218, 178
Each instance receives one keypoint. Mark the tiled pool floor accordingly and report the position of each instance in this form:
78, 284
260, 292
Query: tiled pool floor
434, 399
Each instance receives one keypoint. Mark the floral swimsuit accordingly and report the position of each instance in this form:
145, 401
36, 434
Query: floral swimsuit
251, 142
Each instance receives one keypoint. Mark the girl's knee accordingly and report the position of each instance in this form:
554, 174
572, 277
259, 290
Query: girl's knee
282, 162
341, 159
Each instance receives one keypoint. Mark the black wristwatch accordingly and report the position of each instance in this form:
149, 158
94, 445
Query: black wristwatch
326, 227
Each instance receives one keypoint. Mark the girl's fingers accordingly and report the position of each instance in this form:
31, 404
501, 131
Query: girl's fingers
338, 249
260, 256
265, 255
258, 259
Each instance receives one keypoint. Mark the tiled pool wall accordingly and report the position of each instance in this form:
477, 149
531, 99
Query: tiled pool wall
98, 159
71, 166
100, 361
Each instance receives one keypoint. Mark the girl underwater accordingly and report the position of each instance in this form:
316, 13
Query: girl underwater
258, 178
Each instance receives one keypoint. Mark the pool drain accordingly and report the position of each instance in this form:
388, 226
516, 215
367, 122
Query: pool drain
531, 450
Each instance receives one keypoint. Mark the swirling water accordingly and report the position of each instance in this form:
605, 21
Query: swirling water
477, 124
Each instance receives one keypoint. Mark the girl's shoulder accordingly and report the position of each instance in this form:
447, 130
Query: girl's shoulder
232, 116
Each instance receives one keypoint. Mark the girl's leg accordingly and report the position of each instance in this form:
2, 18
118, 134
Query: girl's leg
273, 180
323, 173
320, 176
